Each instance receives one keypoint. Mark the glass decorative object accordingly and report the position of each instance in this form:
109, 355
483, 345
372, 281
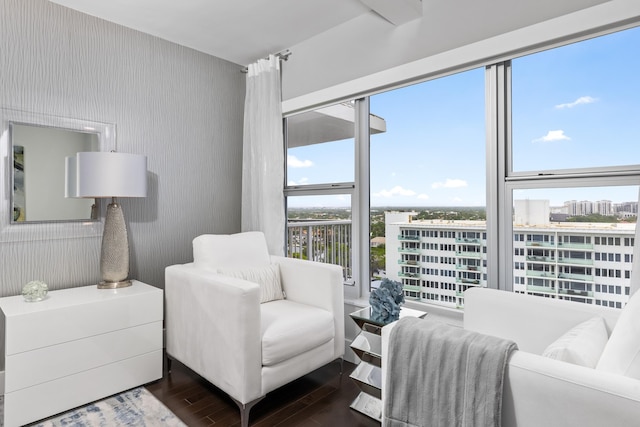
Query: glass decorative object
35, 291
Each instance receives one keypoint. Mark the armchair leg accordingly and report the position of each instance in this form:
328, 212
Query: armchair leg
244, 410
169, 362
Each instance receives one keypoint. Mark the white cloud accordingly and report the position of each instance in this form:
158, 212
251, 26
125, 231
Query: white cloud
553, 135
395, 191
457, 199
301, 181
579, 101
294, 162
423, 196
450, 183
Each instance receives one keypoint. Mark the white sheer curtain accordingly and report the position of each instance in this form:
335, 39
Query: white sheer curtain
263, 154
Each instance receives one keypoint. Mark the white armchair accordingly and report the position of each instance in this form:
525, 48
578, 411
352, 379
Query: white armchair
217, 326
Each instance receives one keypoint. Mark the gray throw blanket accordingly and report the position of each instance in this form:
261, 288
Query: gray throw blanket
442, 376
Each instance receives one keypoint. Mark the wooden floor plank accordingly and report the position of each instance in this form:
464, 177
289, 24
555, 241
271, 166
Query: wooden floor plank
321, 398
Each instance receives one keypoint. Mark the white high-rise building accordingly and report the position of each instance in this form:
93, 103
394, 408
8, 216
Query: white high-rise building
438, 260
604, 207
531, 212
626, 209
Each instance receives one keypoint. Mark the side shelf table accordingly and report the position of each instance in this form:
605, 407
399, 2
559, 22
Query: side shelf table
76, 346
368, 347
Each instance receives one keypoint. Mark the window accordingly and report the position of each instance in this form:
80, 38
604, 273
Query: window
569, 174
324, 152
428, 167
565, 244
320, 146
320, 236
576, 107
320, 170
555, 208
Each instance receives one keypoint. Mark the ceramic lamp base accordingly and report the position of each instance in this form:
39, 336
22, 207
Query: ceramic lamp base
114, 259
114, 285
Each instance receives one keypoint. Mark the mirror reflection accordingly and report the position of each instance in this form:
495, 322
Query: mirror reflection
39, 173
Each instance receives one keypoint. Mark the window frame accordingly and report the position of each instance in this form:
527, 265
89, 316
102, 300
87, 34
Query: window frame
500, 148
358, 190
501, 180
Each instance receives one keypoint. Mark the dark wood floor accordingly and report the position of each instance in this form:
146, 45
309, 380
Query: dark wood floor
321, 398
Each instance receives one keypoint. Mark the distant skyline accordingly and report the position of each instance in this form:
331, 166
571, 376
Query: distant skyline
576, 106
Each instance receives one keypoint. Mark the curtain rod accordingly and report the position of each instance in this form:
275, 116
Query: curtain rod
283, 55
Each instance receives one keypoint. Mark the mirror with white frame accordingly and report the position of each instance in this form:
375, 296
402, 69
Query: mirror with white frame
34, 147
39, 154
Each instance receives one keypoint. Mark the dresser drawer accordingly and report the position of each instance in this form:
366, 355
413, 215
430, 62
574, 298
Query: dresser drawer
43, 400
60, 360
77, 313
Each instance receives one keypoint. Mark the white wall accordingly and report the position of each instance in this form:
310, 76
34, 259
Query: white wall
368, 53
181, 108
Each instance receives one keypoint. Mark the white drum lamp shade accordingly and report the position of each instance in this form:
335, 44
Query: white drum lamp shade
109, 174
99, 174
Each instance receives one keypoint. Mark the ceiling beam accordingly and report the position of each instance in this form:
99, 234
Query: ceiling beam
396, 11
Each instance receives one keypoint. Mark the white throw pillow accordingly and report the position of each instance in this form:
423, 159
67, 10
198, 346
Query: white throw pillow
267, 277
582, 345
621, 355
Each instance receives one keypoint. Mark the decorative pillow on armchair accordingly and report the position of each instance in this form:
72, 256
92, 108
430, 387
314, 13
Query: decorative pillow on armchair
267, 277
581, 345
622, 353
215, 251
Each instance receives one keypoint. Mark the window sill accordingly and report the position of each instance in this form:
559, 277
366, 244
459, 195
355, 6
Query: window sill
449, 316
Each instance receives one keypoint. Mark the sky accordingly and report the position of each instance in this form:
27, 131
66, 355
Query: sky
573, 107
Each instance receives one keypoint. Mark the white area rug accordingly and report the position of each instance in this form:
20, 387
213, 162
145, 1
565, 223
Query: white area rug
136, 407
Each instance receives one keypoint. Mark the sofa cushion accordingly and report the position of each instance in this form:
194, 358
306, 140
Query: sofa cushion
290, 328
582, 345
267, 277
621, 355
214, 251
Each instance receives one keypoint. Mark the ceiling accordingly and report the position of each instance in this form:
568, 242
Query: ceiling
240, 31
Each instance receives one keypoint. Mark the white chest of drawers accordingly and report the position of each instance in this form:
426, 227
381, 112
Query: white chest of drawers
76, 346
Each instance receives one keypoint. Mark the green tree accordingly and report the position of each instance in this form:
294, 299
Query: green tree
592, 218
377, 259
377, 229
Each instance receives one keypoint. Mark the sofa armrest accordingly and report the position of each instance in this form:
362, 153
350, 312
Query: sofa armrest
531, 321
540, 391
544, 392
316, 284
384, 362
206, 311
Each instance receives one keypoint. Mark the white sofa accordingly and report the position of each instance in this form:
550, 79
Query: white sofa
217, 326
539, 391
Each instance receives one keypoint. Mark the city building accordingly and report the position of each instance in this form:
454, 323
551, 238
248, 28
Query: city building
377, 242
437, 260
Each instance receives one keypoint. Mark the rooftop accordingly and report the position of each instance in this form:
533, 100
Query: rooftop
624, 227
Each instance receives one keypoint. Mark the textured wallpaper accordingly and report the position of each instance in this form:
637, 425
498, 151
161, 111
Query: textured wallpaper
181, 108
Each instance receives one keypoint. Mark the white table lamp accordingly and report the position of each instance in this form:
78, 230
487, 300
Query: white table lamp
109, 175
